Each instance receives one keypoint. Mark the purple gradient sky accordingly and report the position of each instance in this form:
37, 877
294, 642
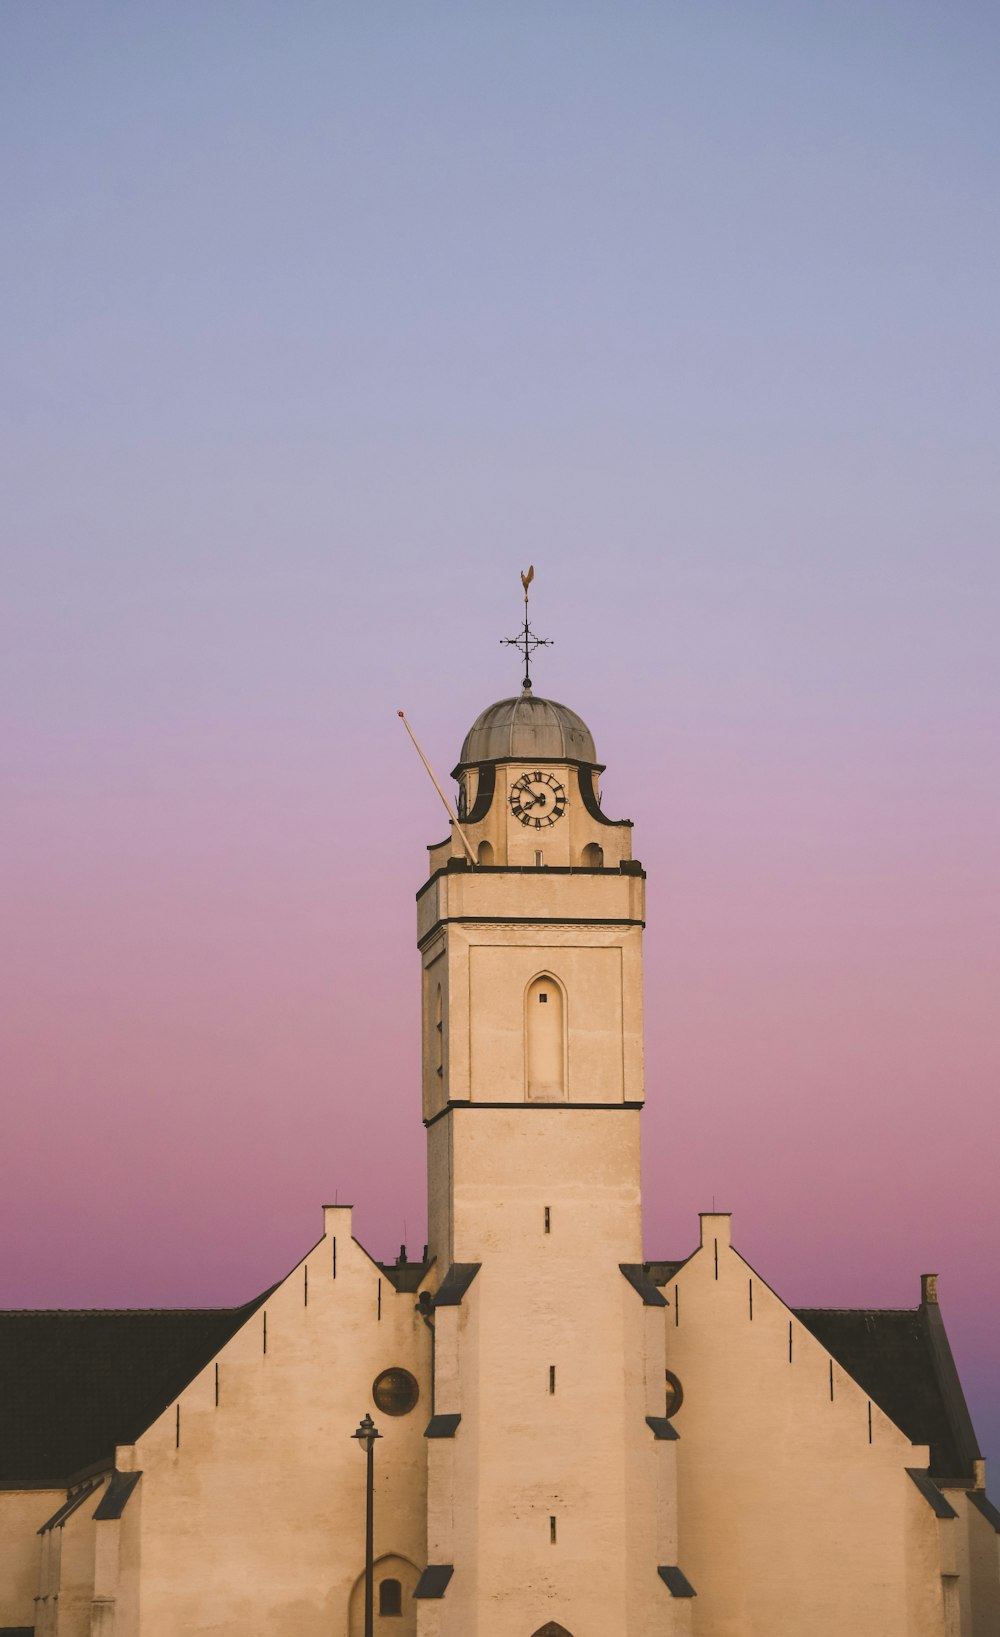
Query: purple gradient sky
321, 323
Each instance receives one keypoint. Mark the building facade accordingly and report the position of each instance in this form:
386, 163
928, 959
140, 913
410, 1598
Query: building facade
574, 1441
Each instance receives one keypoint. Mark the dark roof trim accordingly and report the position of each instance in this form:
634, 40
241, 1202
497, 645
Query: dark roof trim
455, 1283
434, 1580
585, 776
466, 1102
115, 1498
442, 1426
662, 1428
638, 1278
66, 1510
676, 1582
983, 1504
528, 761
627, 866
484, 794
956, 1409
931, 1493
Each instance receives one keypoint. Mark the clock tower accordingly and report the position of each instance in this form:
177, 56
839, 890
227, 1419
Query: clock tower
550, 1496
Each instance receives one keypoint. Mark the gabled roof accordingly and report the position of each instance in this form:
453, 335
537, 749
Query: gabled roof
902, 1360
75, 1384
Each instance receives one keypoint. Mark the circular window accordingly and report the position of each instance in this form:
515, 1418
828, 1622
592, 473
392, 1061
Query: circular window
675, 1394
395, 1392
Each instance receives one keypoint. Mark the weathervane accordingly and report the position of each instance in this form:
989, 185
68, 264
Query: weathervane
527, 642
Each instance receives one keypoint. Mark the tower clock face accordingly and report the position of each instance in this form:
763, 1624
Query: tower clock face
538, 800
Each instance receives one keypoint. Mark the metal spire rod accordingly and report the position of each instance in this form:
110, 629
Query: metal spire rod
453, 816
527, 642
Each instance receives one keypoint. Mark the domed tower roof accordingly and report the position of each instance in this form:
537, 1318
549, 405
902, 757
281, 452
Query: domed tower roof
528, 729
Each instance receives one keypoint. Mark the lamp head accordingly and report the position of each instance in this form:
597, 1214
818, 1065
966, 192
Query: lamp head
366, 1434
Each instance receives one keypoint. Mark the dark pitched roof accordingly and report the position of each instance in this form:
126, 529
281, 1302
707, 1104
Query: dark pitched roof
115, 1498
434, 1580
635, 1273
902, 1360
75, 1384
442, 1426
455, 1284
661, 1273
931, 1493
405, 1276
676, 1582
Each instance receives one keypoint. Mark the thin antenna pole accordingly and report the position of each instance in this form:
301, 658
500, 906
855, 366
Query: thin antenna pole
453, 816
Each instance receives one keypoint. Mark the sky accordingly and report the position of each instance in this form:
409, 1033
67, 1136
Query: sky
321, 323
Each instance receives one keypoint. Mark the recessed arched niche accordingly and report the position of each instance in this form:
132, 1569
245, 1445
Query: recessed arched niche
485, 854
593, 856
395, 1581
545, 1039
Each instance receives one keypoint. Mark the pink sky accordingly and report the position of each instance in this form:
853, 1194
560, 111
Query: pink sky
322, 334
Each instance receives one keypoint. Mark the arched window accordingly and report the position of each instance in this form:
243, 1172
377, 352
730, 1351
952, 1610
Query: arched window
593, 856
485, 853
545, 1044
390, 1597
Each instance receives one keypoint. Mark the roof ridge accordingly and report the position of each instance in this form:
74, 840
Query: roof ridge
913, 1310
118, 1312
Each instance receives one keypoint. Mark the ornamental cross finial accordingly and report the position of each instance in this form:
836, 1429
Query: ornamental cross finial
526, 640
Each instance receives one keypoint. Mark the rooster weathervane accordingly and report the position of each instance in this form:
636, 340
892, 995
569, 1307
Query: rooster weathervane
526, 640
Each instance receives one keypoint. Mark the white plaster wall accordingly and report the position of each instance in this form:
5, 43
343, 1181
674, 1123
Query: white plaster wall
486, 971
22, 1513
523, 1454
255, 1524
74, 1553
979, 1569
790, 1520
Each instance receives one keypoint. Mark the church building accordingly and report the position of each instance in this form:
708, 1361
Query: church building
572, 1440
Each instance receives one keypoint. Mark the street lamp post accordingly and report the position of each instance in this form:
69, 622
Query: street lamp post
366, 1436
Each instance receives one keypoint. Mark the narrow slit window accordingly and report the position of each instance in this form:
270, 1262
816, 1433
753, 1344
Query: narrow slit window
539, 860
552, 1531
548, 1220
552, 1378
